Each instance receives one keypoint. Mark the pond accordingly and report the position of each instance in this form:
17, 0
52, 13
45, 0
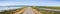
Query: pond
8, 8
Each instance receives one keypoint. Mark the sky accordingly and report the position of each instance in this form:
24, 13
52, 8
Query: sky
19, 2
50, 2
30, 2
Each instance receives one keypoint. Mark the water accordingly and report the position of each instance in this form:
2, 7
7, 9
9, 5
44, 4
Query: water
8, 8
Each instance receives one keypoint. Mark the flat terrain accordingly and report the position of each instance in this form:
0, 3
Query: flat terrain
28, 10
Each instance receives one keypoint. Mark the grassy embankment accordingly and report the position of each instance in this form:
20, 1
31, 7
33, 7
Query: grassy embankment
47, 11
10, 11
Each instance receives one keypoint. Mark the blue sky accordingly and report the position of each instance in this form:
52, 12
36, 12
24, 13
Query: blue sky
50, 2
30, 2
19, 2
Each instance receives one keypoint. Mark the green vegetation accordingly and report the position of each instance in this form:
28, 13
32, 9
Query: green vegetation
10, 11
46, 11
34, 7
51, 7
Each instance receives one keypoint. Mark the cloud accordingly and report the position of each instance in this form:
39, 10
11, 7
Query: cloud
29, 2
19, 2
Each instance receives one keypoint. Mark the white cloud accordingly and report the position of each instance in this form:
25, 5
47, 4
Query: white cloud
19, 2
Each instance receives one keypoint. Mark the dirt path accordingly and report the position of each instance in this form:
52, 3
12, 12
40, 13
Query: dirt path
28, 10
19, 12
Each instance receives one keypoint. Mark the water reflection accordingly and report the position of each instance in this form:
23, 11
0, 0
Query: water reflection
8, 8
